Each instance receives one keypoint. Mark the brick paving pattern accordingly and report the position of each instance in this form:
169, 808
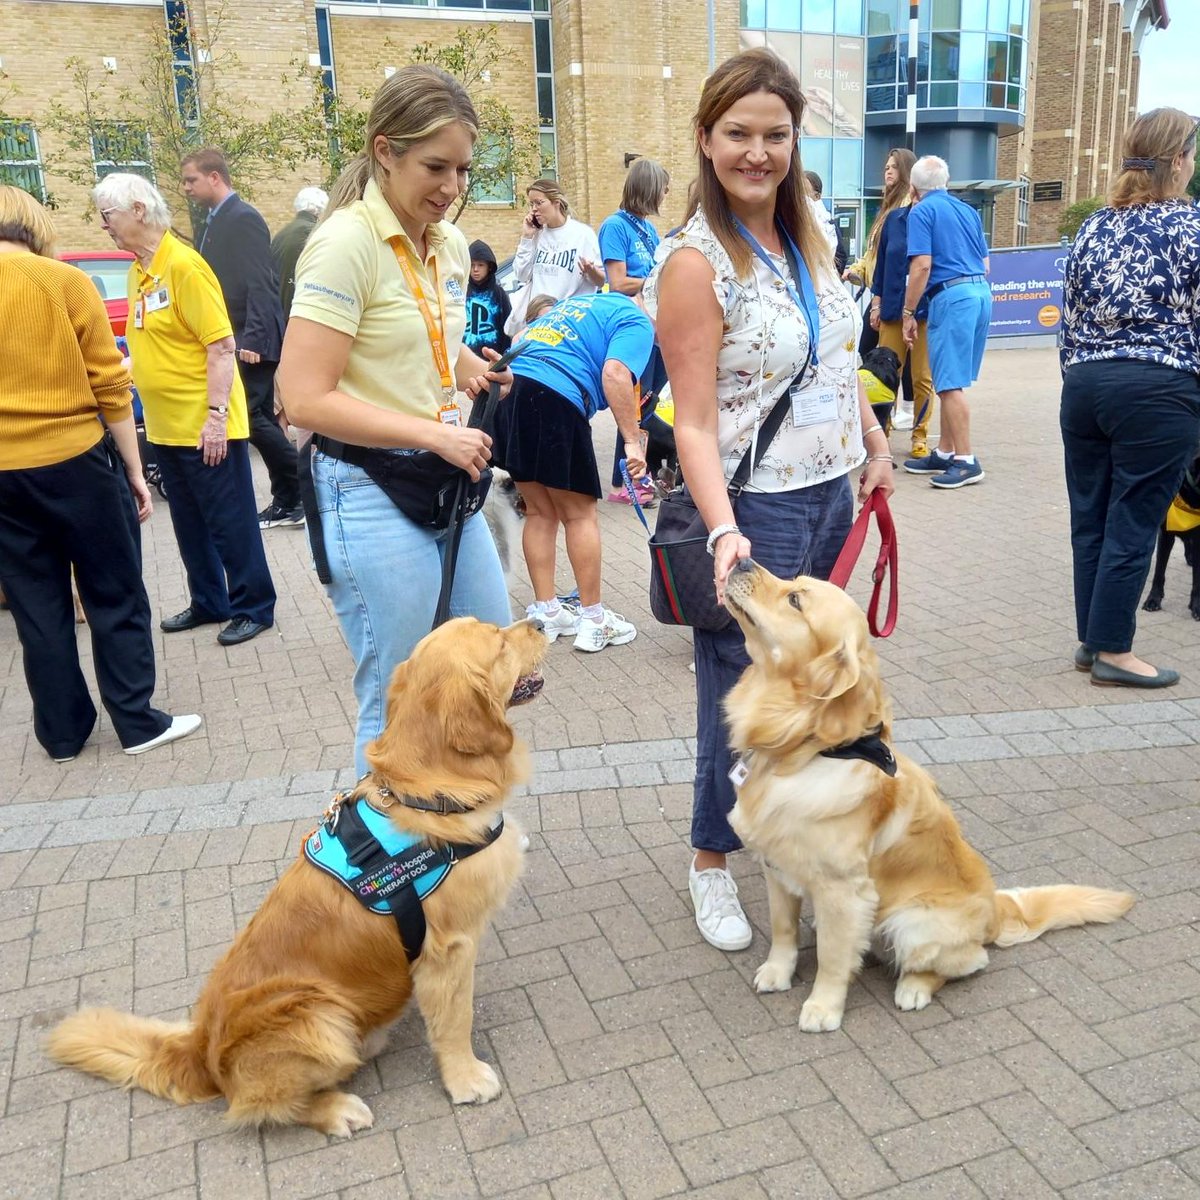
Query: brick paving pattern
637, 1061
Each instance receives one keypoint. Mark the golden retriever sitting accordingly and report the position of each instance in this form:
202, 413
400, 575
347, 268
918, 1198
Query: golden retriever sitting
309, 987
834, 815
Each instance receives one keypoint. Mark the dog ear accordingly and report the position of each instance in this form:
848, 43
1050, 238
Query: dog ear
473, 715
835, 672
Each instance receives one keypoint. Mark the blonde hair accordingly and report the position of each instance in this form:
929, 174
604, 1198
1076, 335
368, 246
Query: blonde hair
414, 104
758, 70
645, 186
1149, 150
24, 220
550, 189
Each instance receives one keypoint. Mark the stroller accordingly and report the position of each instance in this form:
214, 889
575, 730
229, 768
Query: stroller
150, 469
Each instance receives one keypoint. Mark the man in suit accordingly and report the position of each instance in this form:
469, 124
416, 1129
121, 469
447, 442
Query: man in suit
236, 243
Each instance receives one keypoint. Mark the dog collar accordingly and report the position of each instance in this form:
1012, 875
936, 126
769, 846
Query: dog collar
433, 804
870, 748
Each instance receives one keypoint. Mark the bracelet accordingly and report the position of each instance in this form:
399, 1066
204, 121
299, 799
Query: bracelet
873, 428
717, 534
880, 458
908, 312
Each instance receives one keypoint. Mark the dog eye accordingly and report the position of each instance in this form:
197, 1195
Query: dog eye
794, 599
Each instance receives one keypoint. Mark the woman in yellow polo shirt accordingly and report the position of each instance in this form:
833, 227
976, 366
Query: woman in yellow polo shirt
373, 354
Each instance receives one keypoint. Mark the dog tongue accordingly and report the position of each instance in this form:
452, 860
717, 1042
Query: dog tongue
527, 688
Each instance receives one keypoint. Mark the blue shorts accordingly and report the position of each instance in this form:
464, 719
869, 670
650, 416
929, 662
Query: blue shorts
958, 329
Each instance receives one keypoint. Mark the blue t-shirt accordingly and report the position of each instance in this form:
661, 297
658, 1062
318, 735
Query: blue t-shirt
950, 231
631, 240
569, 345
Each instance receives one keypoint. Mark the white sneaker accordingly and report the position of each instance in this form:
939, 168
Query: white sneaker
179, 727
563, 623
612, 630
902, 418
719, 915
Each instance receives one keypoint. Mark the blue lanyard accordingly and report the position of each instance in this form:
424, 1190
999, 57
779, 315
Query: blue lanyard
806, 299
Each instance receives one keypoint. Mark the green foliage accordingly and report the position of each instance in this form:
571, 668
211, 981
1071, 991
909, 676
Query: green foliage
1075, 215
1193, 188
17, 147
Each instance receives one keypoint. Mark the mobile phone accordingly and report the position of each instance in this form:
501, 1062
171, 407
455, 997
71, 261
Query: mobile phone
536, 220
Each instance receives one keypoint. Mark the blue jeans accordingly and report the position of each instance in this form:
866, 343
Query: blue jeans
791, 533
387, 573
1129, 430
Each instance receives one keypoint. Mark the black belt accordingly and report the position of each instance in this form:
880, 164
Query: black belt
356, 456
948, 283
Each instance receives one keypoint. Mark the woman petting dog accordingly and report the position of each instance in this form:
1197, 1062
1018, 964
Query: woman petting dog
372, 359
750, 315
1130, 412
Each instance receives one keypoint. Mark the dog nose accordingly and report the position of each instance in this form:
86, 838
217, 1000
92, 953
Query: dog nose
745, 564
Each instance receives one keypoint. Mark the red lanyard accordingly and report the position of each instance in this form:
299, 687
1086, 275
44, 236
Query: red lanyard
436, 329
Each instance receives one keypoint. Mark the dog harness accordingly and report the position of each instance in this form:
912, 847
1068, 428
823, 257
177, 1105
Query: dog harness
385, 869
870, 748
877, 391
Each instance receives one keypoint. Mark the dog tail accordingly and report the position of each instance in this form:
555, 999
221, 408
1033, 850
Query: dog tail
161, 1057
1023, 914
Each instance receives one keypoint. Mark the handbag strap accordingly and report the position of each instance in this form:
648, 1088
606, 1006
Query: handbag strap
887, 563
766, 435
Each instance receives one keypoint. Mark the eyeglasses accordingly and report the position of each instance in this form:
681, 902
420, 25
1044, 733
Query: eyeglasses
104, 212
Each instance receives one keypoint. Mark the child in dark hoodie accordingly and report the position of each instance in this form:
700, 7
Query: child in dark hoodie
488, 304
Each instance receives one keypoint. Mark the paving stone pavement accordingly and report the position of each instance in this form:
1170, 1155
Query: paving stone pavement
636, 1060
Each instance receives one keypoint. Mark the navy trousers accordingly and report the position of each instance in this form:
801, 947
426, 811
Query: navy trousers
79, 512
791, 533
1129, 430
267, 437
216, 527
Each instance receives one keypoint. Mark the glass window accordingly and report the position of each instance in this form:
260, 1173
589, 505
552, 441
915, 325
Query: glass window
783, 14
754, 14
971, 56
492, 185
946, 14
974, 14
1023, 212
996, 95
943, 61
970, 95
943, 95
922, 95
849, 16
541, 6
119, 146
20, 159
922, 60
787, 46
541, 47
1017, 19
998, 14
545, 91
549, 155
883, 16
847, 168
997, 60
1016, 98
817, 155
881, 99
1016, 53
883, 60
818, 16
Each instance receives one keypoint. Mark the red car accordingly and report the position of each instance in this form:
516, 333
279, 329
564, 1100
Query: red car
109, 271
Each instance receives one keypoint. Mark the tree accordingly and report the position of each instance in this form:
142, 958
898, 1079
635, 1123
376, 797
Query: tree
1075, 215
17, 146
180, 101
507, 149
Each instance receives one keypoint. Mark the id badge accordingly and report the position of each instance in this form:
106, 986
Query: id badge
138, 318
739, 773
450, 414
812, 406
157, 300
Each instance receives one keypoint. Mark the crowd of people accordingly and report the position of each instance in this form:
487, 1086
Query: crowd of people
372, 324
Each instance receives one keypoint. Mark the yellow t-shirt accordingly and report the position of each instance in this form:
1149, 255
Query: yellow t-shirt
348, 279
182, 311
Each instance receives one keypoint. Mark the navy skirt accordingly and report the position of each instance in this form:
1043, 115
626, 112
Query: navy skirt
541, 437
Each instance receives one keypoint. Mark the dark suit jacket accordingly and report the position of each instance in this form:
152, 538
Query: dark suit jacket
237, 245
286, 246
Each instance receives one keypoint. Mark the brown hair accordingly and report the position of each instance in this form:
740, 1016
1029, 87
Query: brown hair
1150, 148
539, 304
758, 70
645, 187
550, 189
414, 104
207, 161
895, 194
24, 220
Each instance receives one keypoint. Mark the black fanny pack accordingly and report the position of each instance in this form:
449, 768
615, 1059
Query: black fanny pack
422, 485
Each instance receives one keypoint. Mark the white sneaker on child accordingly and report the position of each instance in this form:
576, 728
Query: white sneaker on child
564, 623
611, 630
719, 915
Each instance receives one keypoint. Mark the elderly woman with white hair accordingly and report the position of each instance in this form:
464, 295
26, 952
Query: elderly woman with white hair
182, 351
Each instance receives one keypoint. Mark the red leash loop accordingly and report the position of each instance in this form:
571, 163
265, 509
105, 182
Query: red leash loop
886, 564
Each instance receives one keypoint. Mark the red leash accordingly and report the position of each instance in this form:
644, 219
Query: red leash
886, 564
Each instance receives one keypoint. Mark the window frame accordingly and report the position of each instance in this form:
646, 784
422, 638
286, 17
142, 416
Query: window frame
32, 163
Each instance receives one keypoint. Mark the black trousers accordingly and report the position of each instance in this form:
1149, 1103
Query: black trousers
1129, 430
79, 512
265, 435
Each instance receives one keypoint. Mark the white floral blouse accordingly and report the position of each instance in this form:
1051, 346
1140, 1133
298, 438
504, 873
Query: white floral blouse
764, 347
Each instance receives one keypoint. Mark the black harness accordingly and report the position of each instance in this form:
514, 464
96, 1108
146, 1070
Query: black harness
870, 748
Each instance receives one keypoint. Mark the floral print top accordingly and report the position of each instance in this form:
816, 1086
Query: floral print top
764, 347
1132, 287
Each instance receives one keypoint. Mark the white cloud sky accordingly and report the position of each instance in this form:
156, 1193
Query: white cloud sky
1168, 74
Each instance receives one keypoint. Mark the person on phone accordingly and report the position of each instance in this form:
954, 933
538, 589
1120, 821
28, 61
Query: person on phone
373, 357
556, 255
751, 315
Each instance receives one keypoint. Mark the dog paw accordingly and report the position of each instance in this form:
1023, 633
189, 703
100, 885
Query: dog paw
1152, 604
774, 977
475, 1086
348, 1116
912, 996
817, 1018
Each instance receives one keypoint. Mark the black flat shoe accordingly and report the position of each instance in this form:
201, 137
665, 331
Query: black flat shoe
240, 629
190, 618
1106, 675
1084, 658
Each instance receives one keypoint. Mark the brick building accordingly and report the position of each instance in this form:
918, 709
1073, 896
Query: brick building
1014, 93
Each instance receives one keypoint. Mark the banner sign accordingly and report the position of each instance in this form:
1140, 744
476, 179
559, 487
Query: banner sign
1027, 290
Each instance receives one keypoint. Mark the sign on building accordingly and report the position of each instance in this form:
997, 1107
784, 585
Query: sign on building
1052, 190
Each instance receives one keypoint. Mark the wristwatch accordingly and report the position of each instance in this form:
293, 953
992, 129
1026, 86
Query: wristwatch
220, 409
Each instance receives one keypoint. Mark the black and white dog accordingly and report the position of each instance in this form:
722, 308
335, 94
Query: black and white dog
504, 511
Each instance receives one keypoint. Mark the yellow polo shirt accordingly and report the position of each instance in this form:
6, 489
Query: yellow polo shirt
182, 312
348, 279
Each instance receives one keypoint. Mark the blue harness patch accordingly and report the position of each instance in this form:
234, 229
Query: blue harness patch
385, 869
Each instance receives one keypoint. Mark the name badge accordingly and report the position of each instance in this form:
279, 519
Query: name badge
157, 300
812, 406
739, 773
450, 414
138, 319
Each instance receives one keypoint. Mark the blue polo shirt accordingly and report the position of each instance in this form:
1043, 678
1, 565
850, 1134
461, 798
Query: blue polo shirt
568, 346
631, 240
950, 232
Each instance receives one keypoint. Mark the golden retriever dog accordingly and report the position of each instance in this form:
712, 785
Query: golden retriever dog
878, 853
309, 987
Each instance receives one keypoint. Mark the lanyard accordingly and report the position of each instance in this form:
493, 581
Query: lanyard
435, 329
806, 299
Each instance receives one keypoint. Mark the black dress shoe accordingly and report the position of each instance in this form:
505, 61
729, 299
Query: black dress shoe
190, 618
1106, 675
240, 629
